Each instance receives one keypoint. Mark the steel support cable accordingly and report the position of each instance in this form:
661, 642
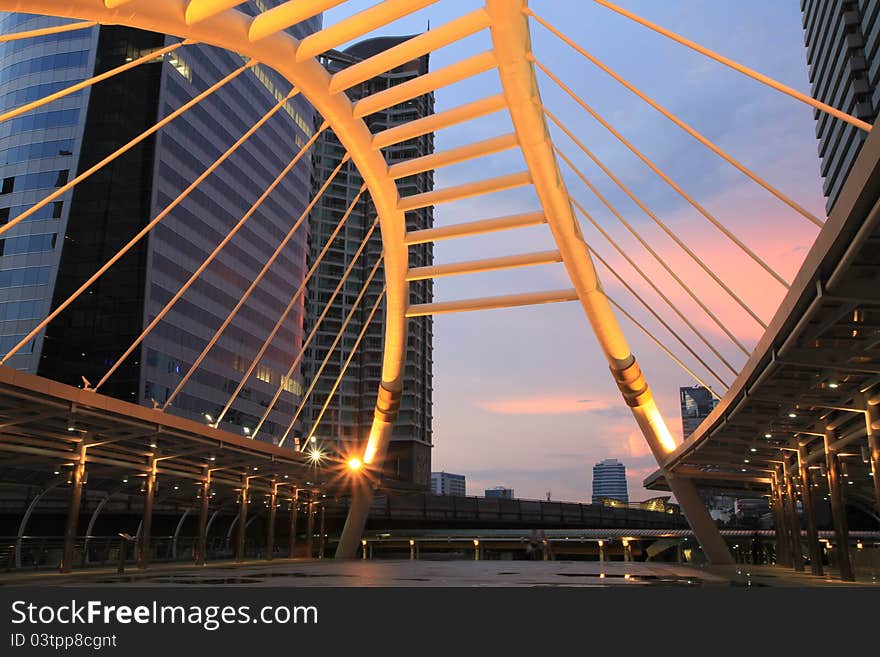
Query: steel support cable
332, 347
662, 346
44, 31
681, 124
146, 229
650, 164
336, 384
229, 235
244, 297
655, 255
653, 285
336, 291
669, 232
290, 305
124, 149
79, 86
739, 68
655, 314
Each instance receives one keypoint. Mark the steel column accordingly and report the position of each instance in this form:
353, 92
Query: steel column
872, 414
270, 522
242, 519
79, 471
291, 544
310, 527
147, 522
321, 534
783, 554
838, 508
794, 528
809, 512
201, 553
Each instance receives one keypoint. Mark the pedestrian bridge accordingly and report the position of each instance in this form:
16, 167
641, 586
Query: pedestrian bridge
804, 393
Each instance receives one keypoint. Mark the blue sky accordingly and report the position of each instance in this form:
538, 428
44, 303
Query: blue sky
523, 397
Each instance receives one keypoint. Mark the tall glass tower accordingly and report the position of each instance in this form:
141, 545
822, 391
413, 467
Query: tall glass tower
347, 419
609, 481
49, 256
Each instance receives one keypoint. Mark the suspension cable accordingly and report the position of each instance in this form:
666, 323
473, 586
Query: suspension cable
124, 149
654, 313
669, 232
45, 100
653, 285
656, 256
662, 346
198, 272
44, 31
650, 164
289, 307
681, 124
339, 286
336, 384
332, 347
740, 68
146, 229
247, 293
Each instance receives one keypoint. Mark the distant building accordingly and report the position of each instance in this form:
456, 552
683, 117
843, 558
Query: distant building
609, 481
696, 404
446, 483
842, 39
499, 491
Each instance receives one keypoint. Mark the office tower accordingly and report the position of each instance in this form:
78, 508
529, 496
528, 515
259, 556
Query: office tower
499, 492
346, 421
446, 483
47, 257
696, 404
609, 481
842, 39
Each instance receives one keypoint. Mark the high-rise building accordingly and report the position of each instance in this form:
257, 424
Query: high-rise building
447, 483
346, 421
696, 405
843, 53
47, 257
499, 491
609, 481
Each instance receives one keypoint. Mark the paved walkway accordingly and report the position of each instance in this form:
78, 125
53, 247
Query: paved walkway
424, 573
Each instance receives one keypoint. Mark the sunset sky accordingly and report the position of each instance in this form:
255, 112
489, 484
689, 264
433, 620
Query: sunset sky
523, 397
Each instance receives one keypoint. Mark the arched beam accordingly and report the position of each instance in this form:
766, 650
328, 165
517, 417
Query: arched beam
512, 44
230, 29
22, 526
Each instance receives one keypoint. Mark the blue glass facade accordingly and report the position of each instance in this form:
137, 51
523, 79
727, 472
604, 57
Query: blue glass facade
115, 203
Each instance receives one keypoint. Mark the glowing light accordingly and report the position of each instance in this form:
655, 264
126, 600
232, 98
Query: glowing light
411, 542
792, 415
754, 449
667, 442
768, 435
476, 543
209, 417
355, 464
833, 385
316, 455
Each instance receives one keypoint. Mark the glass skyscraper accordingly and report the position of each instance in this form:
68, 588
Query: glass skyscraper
696, 404
843, 53
609, 481
46, 258
348, 417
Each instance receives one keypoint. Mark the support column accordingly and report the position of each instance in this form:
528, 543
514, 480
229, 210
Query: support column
872, 414
242, 519
143, 560
291, 544
201, 554
809, 513
705, 530
321, 536
783, 554
310, 528
79, 471
838, 508
794, 527
147, 521
270, 529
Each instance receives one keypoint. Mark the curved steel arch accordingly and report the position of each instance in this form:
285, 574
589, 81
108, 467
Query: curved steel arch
229, 30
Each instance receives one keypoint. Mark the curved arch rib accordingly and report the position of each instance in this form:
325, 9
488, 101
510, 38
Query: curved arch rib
512, 42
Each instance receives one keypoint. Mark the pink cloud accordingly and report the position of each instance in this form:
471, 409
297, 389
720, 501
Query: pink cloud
543, 405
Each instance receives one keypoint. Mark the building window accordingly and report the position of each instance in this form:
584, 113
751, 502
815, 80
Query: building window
8, 184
